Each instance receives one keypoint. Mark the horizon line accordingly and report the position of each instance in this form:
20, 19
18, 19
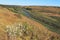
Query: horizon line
30, 5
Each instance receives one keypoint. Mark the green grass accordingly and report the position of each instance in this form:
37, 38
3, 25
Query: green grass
56, 17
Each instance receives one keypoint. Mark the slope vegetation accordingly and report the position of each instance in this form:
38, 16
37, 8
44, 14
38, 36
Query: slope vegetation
15, 26
48, 16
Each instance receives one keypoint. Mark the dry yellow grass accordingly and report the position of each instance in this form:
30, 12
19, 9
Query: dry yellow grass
50, 11
47, 33
8, 17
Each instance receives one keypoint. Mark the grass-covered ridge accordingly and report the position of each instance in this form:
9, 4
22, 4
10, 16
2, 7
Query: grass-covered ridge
41, 14
46, 16
19, 23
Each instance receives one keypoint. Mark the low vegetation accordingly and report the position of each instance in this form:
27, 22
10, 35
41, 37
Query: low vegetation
49, 22
25, 31
29, 23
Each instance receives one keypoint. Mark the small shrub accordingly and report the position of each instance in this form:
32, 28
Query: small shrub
28, 8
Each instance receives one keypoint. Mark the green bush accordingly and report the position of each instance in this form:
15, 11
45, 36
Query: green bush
28, 8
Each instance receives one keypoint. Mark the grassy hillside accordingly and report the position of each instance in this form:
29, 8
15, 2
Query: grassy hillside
15, 25
48, 16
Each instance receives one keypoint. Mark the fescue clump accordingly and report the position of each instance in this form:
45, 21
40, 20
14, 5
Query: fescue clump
18, 30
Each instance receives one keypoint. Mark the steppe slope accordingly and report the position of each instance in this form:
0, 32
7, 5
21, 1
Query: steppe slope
8, 17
